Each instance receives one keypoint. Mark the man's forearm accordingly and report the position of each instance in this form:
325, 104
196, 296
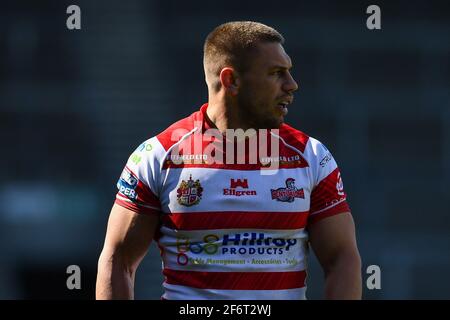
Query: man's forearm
114, 281
343, 280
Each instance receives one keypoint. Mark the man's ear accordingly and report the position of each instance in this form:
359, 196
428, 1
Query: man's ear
229, 80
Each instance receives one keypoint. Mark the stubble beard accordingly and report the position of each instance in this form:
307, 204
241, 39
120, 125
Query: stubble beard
257, 120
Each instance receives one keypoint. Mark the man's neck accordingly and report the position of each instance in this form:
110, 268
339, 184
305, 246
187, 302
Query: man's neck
225, 116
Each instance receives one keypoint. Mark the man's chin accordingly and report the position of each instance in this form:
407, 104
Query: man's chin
280, 122
272, 122
275, 123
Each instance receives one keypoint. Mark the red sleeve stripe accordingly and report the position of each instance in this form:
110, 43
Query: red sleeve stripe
145, 194
236, 280
339, 208
235, 220
122, 198
337, 203
326, 192
127, 204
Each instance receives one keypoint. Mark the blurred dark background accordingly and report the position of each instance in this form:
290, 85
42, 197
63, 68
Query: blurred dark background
75, 103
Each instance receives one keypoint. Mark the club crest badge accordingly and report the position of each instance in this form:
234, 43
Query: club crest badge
189, 192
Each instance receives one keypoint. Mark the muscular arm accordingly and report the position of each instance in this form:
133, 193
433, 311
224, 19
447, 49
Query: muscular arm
334, 243
128, 238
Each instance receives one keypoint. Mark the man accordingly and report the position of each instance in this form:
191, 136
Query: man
233, 229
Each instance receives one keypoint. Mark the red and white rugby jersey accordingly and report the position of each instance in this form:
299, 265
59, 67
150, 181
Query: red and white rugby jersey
227, 230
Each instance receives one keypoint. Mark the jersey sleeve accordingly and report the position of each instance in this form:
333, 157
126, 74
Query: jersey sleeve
328, 197
138, 184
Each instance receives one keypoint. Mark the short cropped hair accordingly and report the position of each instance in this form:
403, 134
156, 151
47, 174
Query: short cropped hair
231, 44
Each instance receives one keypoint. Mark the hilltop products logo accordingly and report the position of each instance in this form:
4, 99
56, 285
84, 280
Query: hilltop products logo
234, 191
289, 193
250, 243
190, 192
255, 239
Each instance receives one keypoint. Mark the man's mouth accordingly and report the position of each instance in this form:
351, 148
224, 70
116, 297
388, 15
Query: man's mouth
282, 106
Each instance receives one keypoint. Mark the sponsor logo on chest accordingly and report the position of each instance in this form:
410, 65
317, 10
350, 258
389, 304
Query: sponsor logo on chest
238, 188
289, 193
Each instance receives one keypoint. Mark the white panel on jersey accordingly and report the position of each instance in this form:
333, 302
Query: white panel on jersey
218, 194
322, 162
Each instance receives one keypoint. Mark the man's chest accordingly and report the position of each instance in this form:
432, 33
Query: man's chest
219, 190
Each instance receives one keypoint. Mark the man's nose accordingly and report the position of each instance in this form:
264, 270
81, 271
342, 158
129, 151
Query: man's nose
290, 85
